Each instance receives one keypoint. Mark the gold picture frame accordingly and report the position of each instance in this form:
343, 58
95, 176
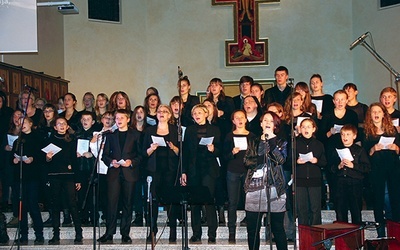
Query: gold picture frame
231, 87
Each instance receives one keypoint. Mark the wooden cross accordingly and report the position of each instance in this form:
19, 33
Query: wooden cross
246, 48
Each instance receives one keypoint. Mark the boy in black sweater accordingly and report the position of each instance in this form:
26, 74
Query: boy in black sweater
349, 175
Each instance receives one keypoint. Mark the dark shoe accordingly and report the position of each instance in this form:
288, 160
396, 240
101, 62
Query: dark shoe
23, 240
195, 240
13, 222
105, 239
138, 222
232, 239
48, 223
211, 240
126, 240
172, 235
78, 239
243, 223
54, 241
39, 240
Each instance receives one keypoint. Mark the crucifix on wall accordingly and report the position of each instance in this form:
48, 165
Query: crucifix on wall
247, 49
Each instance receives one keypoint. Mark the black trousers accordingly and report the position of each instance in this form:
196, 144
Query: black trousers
209, 182
309, 205
64, 189
349, 197
277, 228
119, 188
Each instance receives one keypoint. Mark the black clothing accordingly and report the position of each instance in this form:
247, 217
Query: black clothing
235, 162
74, 120
309, 174
274, 94
186, 117
384, 170
360, 109
349, 185
254, 125
327, 103
121, 180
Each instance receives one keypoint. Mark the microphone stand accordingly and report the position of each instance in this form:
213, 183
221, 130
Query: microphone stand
93, 181
184, 202
20, 146
293, 164
268, 227
385, 64
150, 202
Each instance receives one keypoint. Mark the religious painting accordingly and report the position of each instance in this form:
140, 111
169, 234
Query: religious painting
16, 83
55, 92
247, 49
4, 83
63, 89
47, 90
37, 84
27, 80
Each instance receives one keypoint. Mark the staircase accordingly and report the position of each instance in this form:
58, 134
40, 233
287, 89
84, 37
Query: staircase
138, 235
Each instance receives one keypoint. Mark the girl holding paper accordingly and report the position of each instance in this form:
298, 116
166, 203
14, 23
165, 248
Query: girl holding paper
62, 177
201, 168
310, 158
31, 176
162, 164
384, 162
322, 101
235, 146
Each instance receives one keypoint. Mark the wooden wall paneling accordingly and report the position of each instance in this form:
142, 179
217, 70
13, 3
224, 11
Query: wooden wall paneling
55, 92
47, 90
15, 82
37, 84
4, 86
63, 88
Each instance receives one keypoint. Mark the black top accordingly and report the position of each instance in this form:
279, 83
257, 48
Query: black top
63, 164
275, 95
383, 158
83, 163
32, 171
361, 111
74, 121
172, 158
361, 163
254, 125
191, 101
309, 174
235, 162
195, 154
327, 103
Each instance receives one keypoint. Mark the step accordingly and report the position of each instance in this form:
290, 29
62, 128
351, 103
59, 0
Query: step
138, 235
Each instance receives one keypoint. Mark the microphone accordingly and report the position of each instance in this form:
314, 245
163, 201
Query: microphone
359, 40
290, 82
149, 180
30, 88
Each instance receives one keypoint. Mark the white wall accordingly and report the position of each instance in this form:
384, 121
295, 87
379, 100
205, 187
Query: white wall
369, 74
156, 36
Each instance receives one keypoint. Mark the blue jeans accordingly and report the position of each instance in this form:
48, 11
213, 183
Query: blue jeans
235, 183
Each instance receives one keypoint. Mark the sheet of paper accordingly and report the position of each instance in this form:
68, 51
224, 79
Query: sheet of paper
300, 119
345, 154
23, 158
151, 121
386, 141
318, 104
240, 142
183, 132
82, 146
306, 157
395, 122
337, 128
206, 140
51, 148
11, 139
159, 140
121, 162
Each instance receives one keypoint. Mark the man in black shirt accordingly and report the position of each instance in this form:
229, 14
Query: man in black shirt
280, 92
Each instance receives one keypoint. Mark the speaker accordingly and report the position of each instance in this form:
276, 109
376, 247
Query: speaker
104, 10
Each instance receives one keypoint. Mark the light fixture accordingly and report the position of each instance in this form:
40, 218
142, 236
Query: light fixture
64, 7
